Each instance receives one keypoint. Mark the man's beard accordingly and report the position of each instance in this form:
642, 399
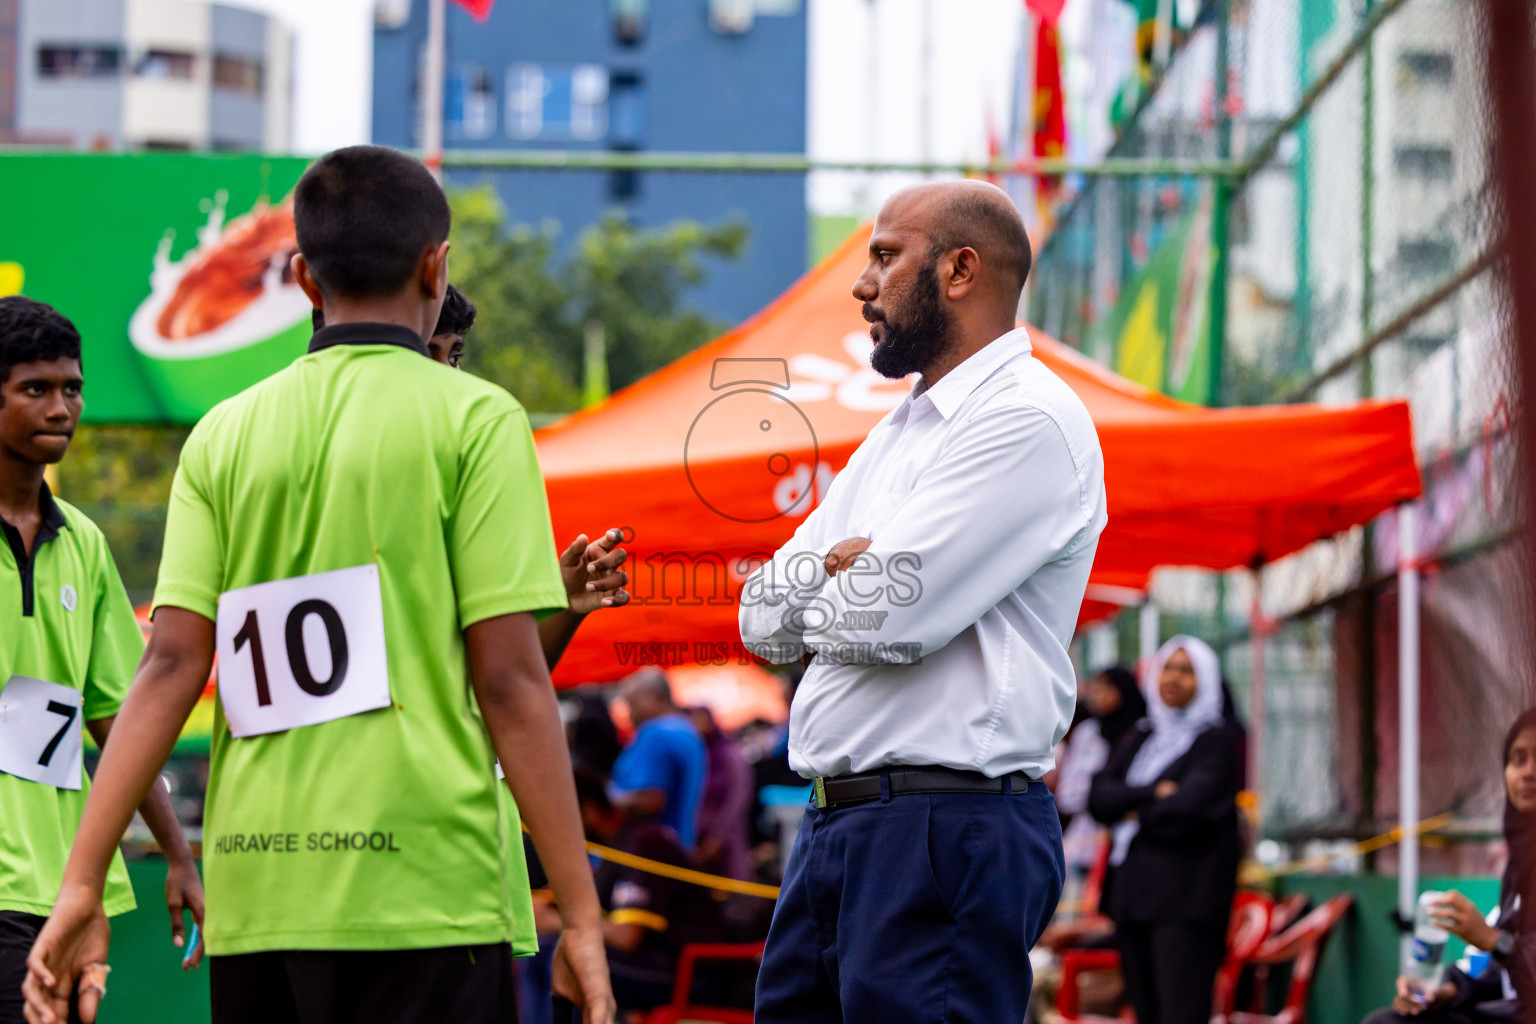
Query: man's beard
911, 345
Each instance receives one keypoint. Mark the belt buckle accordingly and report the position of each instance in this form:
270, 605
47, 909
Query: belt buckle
819, 792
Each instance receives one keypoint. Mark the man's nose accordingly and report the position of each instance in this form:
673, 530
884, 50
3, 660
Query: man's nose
865, 289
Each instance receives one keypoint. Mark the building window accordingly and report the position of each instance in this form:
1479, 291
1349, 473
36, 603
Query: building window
165, 64
1424, 67
78, 61
1428, 163
732, 17
469, 104
237, 74
1425, 256
629, 19
626, 110
167, 145
557, 103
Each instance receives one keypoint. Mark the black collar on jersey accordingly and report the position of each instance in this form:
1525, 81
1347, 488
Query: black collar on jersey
47, 530
367, 334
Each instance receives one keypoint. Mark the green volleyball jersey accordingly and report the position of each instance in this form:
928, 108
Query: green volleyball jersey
343, 522
68, 648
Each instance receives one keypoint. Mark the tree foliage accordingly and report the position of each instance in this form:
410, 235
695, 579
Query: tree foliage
535, 305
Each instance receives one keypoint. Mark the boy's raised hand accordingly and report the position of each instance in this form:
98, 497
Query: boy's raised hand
592, 575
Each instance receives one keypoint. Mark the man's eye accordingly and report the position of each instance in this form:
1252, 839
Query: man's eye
72, 390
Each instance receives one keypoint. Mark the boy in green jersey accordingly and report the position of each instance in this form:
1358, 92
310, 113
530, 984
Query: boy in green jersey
364, 539
68, 646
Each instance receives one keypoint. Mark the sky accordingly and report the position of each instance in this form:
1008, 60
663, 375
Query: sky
971, 46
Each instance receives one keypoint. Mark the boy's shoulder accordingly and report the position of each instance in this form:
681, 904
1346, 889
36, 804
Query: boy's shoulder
81, 525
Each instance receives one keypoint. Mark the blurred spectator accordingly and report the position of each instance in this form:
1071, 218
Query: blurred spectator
727, 801
649, 917
661, 773
1114, 704
1480, 990
594, 739
1169, 791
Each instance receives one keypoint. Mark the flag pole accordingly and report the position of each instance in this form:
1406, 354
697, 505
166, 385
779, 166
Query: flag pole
434, 68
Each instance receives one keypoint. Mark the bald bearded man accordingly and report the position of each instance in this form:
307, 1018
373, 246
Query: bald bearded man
934, 590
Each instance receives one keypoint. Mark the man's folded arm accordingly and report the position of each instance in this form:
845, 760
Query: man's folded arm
1002, 500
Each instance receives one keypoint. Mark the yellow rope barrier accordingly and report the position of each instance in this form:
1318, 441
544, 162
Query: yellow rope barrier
1390, 838
771, 892
708, 881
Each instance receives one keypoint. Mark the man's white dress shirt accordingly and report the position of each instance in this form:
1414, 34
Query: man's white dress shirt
983, 499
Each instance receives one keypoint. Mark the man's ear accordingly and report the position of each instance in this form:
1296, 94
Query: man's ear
964, 274
434, 271
307, 283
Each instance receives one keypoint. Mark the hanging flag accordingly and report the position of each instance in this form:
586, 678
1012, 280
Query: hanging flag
1048, 11
1050, 108
1160, 329
478, 9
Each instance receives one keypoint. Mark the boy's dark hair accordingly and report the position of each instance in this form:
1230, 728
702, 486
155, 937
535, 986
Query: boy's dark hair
364, 215
457, 317
458, 314
591, 789
31, 331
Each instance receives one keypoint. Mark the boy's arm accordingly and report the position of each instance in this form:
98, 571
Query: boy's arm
593, 580
183, 886
517, 701
171, 676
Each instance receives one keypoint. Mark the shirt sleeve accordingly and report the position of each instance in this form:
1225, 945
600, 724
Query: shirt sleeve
1002, 500
790, 579
500, 542
192, 561
643, 765
116, 644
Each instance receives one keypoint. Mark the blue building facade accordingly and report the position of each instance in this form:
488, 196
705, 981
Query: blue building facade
629, 75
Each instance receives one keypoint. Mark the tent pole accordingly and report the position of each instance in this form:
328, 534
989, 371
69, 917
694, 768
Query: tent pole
1149, 626
1408, 711
1256, 729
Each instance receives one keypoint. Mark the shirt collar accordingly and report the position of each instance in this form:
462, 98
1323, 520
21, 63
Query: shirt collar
367, 334
956, 385
52, 522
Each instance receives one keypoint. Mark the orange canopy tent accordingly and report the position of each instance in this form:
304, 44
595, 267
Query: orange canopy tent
717, 457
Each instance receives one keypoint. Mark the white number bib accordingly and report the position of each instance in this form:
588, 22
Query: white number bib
302, 651
40, 732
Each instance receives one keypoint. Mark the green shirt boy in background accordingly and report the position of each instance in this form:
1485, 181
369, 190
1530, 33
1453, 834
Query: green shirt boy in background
68, 646
364, 536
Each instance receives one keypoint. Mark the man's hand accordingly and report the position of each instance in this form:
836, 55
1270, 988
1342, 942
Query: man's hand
581, 973
1410, 1002
592, 575
844, 553
1165, 789
70, 951
1460, 916
184, 891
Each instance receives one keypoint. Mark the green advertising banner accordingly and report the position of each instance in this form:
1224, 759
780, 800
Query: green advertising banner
1159, 329
173, 266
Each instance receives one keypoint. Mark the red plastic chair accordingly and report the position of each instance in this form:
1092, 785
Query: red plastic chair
680, 1009
1300, 945
1247, 930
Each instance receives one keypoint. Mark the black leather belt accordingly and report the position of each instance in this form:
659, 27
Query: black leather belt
865, 786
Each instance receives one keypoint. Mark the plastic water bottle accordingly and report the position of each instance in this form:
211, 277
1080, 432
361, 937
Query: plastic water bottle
1426, 958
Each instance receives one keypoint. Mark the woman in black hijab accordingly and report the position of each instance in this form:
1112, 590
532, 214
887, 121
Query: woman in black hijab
1116, 702
1488, 997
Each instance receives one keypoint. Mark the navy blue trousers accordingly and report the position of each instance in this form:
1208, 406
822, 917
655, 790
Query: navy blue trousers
918, 908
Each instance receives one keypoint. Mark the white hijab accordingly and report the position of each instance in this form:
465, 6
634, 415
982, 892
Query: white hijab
1173, 729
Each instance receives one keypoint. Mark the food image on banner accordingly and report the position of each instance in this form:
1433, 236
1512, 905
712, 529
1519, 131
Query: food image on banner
174, 267
227, 313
